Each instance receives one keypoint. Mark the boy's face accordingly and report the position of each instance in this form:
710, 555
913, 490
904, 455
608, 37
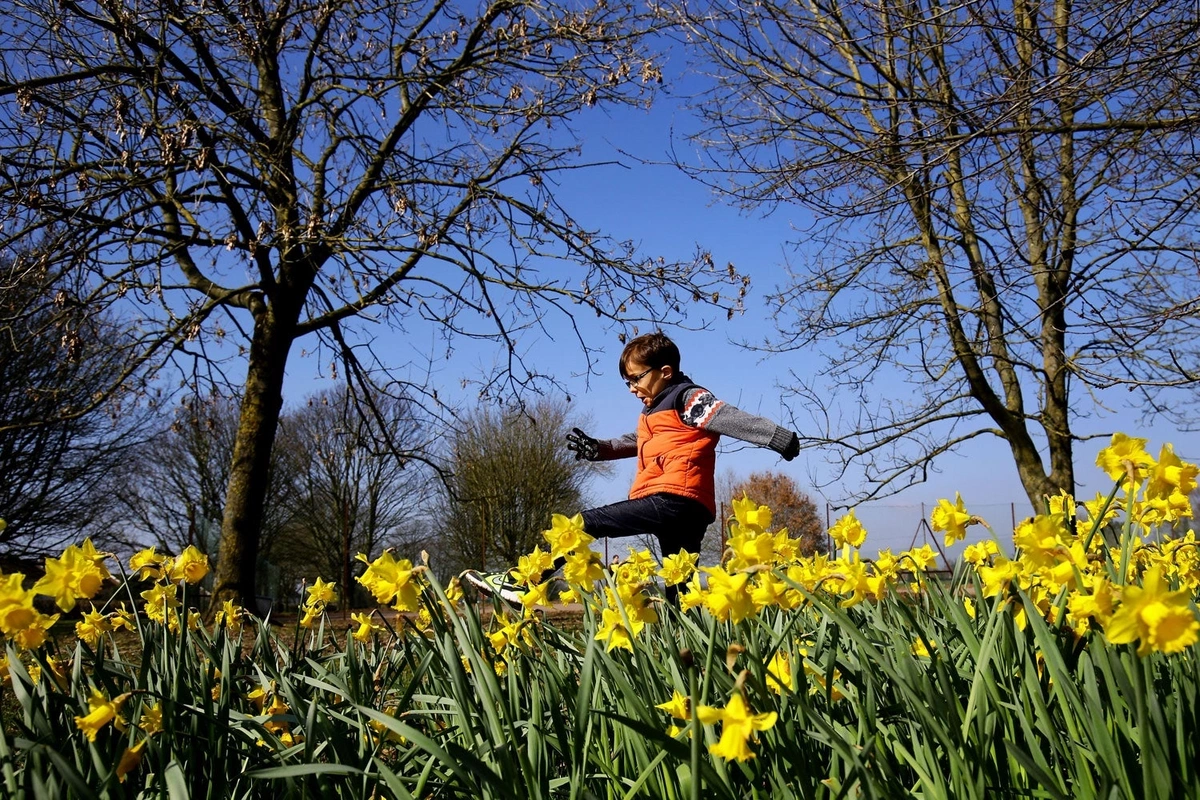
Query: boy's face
646, 382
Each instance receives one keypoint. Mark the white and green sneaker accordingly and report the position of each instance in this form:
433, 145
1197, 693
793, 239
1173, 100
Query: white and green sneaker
494, 584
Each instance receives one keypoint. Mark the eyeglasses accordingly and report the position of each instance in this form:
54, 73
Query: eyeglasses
636, 379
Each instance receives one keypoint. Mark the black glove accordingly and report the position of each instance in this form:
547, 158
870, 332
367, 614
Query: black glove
583, 446
792, 449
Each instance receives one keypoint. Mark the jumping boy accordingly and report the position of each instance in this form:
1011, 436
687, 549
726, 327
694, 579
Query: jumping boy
673, 496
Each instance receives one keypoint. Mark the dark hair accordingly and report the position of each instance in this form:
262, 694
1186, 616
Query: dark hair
651, 349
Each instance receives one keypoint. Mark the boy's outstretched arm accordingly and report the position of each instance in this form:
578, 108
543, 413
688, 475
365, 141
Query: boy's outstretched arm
702, 410
588, 449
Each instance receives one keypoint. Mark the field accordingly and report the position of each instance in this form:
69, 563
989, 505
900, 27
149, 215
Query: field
1066, 670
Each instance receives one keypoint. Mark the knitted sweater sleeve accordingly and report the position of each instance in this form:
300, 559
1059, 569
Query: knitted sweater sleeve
702, 410
621, 447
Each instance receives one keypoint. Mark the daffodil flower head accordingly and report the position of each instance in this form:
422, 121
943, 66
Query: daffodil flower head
93, 625
678, 568
16, 604
750, 515
190, 566
729, 595
779, 673
848, 531
1126, 460
77, 574
678, 706
1039, 538
1171, 475
321, 593
951, 519
922, 558
980, 552
531, 566
161, 602
101, 711
738, 728
36, 632
1097, 510
566, 535
613, 631
151, 721
390, 579
921, 650
1160, 618
131, 759
583, 568
366, 627
147, 564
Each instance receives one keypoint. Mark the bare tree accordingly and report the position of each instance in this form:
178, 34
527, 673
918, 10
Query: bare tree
511, 473
354, 494
56, 469
172, 491
1005, 198
243, 176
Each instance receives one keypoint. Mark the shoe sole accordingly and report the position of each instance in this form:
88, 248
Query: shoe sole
476, 580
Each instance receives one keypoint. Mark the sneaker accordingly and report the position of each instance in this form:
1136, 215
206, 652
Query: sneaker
494, 584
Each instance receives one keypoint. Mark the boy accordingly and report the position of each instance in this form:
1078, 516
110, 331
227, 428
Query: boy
672, 496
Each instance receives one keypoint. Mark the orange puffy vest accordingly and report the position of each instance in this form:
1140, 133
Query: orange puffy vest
674, 457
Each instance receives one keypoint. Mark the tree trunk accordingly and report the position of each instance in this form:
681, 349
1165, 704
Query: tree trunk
1039, 484
258, 423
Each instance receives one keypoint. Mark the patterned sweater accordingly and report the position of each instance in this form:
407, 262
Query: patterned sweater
701, 409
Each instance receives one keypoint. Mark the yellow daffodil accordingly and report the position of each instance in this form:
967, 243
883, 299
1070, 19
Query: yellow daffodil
101, 711
16, 604
997, 576
848, 531
951, 519
1171, 476
980, 552
751, 516
366, 627
321, 593
230, 614
678, 707
613, 631
130, 760
161, 602
678, 568
583, 568
738, 728
275, 709
779, 673
151, 721
729, 597
34, 634
920, 649
1125, 458
922, 558
532, 566
1099, 511
147, 564
93, 625
189, 567
566, 535
77, 574
1160, 618
391, 581
537, 595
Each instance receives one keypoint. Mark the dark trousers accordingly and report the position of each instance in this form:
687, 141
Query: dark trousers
677, 522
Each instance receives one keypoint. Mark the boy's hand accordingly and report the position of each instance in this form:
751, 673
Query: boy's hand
793, 448
583, 446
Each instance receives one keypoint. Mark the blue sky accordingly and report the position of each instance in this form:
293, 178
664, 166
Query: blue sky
669, 214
